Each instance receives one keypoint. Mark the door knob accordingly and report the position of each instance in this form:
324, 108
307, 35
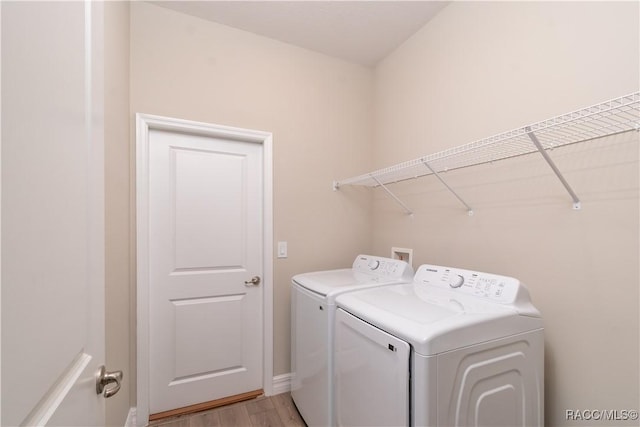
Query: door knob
104, 378
255, 281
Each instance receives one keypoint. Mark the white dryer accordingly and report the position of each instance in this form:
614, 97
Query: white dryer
453, 348
312, 319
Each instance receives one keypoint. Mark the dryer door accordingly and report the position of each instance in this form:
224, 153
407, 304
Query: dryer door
371, 375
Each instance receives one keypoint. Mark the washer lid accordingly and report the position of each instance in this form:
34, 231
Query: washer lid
331, 283
435, 320
366, 271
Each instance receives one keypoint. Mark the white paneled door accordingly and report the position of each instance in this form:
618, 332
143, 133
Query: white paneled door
205, 266
52, 213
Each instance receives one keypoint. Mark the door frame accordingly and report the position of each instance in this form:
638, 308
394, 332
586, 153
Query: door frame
145, 123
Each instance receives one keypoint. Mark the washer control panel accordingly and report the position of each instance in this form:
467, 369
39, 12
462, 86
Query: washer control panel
501, 289
383, 267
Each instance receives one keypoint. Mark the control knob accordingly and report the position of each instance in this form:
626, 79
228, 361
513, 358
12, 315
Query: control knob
373, 264
456, 281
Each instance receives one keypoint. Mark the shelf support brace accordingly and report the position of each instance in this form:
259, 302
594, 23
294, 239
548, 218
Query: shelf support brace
393, 196
536, 142
437, 175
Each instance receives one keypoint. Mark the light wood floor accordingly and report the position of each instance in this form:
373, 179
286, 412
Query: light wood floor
272, 411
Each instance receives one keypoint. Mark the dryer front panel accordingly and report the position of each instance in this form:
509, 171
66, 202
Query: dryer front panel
498, 383
371, 375
309, 356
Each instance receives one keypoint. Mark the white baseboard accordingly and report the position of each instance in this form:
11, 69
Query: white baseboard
282, 383
131, 418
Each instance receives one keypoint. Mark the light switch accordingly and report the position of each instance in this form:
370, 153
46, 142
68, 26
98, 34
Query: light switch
282, 249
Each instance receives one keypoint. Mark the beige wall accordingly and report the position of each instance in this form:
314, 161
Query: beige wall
479, 69
117, 235
318, 109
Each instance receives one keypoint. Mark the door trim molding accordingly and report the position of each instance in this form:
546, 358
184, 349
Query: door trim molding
145, 123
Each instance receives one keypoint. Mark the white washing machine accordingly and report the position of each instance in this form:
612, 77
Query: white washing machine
453, 348
312, 319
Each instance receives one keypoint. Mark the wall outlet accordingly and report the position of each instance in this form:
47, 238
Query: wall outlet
403, 254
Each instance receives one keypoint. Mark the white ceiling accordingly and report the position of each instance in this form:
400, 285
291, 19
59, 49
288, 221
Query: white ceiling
359, 31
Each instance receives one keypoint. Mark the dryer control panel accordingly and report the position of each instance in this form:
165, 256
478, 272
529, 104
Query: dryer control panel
383, 267
500, 289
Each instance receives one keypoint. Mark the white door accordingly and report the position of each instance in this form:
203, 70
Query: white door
205, 245
52, 213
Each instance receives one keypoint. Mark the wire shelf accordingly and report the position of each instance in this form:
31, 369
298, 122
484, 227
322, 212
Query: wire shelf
607, 118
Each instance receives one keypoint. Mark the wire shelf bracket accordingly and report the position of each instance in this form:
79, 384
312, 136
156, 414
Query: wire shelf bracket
545, 155
613, 117
393, 196
437, 175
